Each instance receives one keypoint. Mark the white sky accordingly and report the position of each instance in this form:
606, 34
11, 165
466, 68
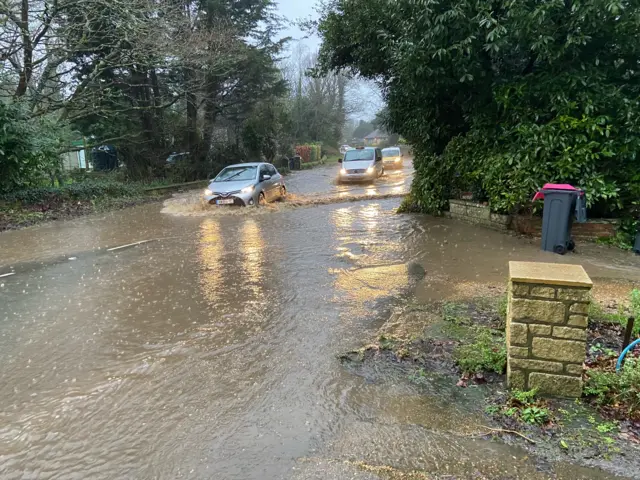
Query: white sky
294, 10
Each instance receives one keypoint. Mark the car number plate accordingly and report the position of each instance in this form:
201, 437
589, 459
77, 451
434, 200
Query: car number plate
225, 201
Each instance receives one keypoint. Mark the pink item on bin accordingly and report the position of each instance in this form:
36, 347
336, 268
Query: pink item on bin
553, 186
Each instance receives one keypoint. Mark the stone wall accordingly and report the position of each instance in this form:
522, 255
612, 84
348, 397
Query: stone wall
547, 327
477, 213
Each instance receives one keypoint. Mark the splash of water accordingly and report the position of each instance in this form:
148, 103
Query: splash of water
192, 204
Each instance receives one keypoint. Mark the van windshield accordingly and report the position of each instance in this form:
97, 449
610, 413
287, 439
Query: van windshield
391, 152
357, 155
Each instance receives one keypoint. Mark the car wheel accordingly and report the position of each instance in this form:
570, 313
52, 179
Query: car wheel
283, 192
262, 200
382, 172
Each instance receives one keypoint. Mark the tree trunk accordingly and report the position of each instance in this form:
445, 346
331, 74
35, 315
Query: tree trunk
192, 136
210, 115
27, 58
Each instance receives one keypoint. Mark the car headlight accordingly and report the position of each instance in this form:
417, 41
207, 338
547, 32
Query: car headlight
248, 189
343, 171
208, 192
397, 159
370, 170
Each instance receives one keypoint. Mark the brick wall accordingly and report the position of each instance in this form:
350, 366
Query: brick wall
547, 327
592, 230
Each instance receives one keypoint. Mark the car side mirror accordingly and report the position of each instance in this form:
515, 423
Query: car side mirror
339, 160
266, 177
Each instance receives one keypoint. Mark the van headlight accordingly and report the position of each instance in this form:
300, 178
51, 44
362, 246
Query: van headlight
343, 171
208, 192
248, 189
370, 170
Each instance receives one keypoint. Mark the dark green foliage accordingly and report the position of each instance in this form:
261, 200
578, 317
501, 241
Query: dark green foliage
523, 406
620, 391
487, 353
267, 131
29, 148
74, 191
150, 78
501, 97
363, 129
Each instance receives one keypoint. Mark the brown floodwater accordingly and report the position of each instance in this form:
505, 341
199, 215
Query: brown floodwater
210, 350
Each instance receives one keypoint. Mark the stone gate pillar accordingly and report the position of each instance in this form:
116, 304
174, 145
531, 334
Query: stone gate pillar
547, 327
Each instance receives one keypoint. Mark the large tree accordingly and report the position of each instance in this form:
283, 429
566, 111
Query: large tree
502, 96
148, 76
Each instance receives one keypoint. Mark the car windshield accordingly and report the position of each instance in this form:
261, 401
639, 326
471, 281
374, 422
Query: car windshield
391, 152
355, 155
232, 174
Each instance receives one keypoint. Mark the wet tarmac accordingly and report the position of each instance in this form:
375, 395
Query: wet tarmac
209, 350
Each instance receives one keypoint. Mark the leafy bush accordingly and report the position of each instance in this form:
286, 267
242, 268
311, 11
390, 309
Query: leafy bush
535, 415
617, 390
313, 153
29, 147
524, 406
519, 93
74, 191
488, 353
310, 153
304, 151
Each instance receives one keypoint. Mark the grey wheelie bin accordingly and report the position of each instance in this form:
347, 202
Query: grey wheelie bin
561, 203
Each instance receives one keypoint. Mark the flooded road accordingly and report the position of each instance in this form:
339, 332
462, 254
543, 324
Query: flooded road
210, 351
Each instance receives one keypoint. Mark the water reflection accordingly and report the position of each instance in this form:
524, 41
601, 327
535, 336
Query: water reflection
211, 250
376, 269
252, 249
232, 255
370, 214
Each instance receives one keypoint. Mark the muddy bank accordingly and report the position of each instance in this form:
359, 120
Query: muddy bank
421, 345
13, 218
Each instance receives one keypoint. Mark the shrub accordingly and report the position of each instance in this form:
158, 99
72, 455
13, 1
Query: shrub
29, 147
618, 390
519, 93
313, 153
488, 353
74, 191
535, 415
304, 151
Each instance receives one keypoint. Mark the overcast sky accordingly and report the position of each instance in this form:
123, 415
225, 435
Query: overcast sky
293, 10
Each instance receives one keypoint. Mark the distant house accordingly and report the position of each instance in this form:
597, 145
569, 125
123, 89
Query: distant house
375, 138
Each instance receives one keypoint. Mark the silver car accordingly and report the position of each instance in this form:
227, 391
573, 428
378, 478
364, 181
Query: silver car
246, 184
361, 164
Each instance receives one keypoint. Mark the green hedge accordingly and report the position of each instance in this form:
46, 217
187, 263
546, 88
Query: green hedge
73, 191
